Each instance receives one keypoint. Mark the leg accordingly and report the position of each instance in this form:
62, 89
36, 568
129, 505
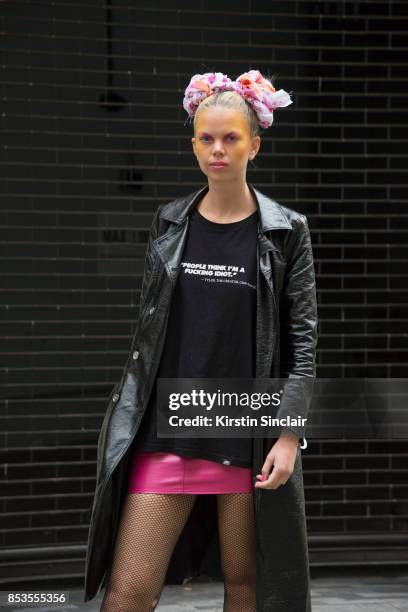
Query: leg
149, 528
236, 528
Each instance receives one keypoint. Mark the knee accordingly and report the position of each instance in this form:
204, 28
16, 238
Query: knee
236, 578
124, 598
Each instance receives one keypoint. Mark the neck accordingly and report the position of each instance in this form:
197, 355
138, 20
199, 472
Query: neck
227, 200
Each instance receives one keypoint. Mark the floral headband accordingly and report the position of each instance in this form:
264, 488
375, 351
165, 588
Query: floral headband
252, 86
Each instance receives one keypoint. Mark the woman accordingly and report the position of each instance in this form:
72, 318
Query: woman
208, 325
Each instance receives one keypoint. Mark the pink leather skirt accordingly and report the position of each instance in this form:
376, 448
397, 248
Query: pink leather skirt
158, 472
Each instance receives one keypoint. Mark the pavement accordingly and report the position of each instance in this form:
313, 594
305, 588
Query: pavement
372, 590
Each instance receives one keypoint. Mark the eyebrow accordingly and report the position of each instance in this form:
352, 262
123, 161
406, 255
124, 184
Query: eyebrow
228, 134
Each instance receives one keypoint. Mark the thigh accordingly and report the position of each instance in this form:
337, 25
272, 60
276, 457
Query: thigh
149, 528
236, 528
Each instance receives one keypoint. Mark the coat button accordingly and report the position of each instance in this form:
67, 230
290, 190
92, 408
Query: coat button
115, 397
226, 462
151, 311
135, 355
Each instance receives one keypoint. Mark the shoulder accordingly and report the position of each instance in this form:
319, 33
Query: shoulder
275, 215
293, 216
295, 219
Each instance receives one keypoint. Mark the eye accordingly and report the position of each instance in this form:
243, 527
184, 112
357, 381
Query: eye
231, 137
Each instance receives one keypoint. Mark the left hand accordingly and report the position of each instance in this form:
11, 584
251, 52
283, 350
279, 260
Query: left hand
281, 458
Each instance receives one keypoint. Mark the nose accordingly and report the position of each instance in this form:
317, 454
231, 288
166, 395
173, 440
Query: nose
218, 147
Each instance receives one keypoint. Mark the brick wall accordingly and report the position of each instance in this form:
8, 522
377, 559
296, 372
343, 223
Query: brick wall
94, 138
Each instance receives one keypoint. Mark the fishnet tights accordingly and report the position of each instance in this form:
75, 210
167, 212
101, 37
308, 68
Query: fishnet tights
150, 526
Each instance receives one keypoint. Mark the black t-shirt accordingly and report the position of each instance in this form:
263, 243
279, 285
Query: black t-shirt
211, 327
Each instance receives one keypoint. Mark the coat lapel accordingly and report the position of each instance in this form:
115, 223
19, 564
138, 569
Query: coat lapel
170, 245
270, 212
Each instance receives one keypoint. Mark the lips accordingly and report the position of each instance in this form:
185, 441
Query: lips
218, 164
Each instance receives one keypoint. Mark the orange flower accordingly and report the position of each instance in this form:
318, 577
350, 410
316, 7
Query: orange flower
257, 84
203, 86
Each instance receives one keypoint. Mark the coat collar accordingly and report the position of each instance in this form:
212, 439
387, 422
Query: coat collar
271, 215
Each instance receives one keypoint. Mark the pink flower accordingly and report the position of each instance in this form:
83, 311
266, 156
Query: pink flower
252, 86
203, 85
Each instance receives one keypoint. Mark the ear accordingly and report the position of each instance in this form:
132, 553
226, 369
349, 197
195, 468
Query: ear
256, 144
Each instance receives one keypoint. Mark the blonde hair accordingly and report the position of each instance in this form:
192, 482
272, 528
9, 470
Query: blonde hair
231, 99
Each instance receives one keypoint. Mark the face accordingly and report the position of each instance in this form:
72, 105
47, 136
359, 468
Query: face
222, 134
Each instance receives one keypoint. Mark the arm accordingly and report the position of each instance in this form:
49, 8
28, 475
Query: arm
298, 306
298, 326
298, 333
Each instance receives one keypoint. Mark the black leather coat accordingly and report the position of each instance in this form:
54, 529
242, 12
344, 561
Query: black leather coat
286, 337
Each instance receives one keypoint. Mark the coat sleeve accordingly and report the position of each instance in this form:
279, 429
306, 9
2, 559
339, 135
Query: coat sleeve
298, 327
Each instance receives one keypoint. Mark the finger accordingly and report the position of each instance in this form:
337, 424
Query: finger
268, 485
268, 465
275, 480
